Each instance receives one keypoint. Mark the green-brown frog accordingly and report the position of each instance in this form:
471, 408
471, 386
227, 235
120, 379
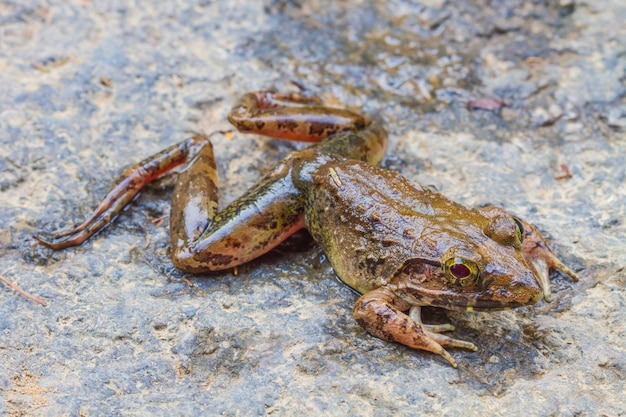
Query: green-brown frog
401, 245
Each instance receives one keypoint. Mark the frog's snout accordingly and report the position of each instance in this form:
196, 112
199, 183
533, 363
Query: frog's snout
526, 289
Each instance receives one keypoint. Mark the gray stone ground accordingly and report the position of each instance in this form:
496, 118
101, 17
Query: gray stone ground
87, 87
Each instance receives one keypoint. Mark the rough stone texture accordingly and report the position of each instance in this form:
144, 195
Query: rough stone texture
87, 88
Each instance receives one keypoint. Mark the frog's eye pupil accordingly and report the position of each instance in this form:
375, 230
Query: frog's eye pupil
460, 271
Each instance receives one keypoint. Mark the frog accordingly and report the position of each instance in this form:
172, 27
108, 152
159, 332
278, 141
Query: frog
400, 245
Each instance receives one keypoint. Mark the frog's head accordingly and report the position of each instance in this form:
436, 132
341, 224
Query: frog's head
479, 265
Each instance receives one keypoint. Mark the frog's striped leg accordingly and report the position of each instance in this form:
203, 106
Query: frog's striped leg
296, 117
292, 117
123, 191
203, 239
380, 313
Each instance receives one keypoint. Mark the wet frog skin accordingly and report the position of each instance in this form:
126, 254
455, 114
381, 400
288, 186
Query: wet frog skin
401, 245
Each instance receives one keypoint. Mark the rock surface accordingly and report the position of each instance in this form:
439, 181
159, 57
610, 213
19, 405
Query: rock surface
87, 88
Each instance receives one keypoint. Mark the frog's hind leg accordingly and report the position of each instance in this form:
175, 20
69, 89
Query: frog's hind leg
292, 117
203, 239
301, 118
123, 191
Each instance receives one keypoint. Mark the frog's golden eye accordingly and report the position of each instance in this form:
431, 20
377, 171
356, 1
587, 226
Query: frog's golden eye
461, 272
519, 229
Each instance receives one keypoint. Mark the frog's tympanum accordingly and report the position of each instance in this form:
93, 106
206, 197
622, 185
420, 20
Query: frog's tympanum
401, 245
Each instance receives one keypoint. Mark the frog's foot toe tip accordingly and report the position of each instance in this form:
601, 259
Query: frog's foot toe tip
44, 240
444, 353
51, 242
572, 274
462, 344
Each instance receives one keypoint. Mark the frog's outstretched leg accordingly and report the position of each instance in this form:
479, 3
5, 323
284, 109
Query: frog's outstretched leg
292, 117
203, 239
380, 313
295, 117
123, 191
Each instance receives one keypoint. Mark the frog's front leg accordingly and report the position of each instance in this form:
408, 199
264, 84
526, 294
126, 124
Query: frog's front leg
381, 313
538, 252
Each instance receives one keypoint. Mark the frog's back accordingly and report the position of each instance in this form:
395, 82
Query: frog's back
365, 219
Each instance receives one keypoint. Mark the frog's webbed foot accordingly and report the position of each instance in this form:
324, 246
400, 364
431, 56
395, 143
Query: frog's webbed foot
379, 312
542, 258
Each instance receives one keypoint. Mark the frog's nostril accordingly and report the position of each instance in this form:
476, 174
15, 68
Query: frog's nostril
525, 290
520, 284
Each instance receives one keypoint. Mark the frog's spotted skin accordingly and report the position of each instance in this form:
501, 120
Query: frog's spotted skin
399, 244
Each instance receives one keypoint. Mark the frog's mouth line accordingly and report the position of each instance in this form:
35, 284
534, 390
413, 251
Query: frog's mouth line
479, 305
488, 305
449, 300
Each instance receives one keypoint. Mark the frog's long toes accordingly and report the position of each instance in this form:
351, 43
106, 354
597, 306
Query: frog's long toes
542, 267
438, 328
554, 262
55, 242
448, 357
471, 346
568, 271
450, 342
45, 240
416, 314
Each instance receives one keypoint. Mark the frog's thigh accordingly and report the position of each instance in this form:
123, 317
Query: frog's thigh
379, 313
247, 228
